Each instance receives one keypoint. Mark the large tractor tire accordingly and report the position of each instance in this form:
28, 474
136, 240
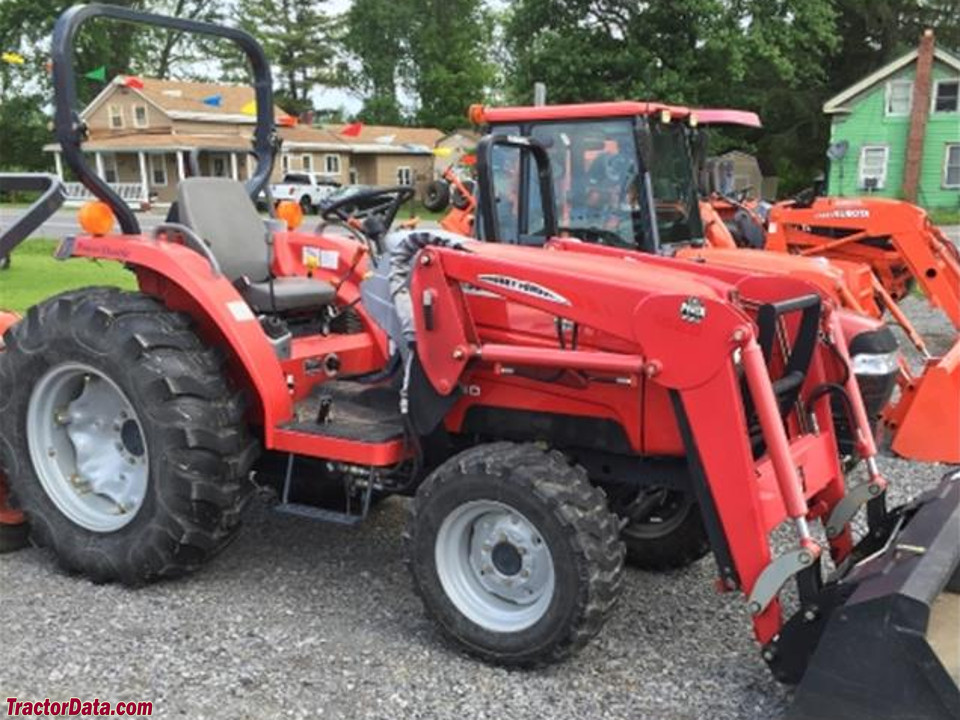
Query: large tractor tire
122, 438
436, 197
461, 201
514, 554
664, 531
13, 537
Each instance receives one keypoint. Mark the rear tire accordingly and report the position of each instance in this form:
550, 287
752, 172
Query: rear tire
670, 537
436, 197
13, 537
514, 554
86, 354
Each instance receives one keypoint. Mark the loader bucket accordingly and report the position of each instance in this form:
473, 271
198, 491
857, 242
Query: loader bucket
877, 658
928, 413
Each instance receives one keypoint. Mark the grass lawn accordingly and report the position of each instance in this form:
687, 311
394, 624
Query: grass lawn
35, 275
945, 217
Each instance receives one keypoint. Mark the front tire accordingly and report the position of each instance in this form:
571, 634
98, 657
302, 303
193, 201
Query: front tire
121, 437
664, 531
515, 554
306, 206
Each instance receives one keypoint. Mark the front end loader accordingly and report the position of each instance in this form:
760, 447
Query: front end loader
533, 402
904, 249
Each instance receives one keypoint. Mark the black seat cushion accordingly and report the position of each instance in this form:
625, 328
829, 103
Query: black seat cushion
289, 293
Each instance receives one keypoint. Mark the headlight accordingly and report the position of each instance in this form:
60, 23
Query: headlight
876, 363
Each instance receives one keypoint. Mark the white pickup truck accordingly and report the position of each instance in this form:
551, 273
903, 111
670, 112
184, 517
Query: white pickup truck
307, 188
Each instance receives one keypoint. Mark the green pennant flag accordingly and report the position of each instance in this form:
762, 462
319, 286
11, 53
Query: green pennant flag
99, 74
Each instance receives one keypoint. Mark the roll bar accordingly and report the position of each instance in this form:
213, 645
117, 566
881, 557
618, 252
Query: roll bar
489, 221
71, 131
50, 200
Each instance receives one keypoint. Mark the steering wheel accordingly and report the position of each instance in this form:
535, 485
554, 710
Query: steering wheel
368, 214
600, 236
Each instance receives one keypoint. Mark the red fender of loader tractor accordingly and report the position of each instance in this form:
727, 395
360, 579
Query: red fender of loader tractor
535, 403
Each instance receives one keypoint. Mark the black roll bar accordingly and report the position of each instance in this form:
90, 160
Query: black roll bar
50, 200
71, 131
489, 221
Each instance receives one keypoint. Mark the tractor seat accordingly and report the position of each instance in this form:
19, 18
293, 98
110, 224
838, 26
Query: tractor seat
223, 215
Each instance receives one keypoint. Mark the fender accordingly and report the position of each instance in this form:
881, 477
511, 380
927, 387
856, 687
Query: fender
183, 280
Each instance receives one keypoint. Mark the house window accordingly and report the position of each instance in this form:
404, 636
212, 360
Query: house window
219, 166
899, 96
110, 173
354, 176
946, 96
158, 170
951, 167
404, 175
285, 163
331, 164
140, 116
873, 167
116, 117
306, 163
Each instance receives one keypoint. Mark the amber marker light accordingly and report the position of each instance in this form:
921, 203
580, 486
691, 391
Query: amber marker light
291, 213
96, 218
476, 114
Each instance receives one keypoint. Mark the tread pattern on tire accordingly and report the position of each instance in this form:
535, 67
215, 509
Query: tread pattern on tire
583, 513
685, 545
199, 480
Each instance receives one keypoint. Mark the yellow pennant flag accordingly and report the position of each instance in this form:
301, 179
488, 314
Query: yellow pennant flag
250, 108
13, 58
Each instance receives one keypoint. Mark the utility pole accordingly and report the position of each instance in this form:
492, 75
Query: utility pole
539, 94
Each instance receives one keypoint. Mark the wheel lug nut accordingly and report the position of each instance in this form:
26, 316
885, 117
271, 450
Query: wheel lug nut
51, 452
525, 573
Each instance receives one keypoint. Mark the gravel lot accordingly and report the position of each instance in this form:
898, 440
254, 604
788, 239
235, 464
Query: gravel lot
298, 619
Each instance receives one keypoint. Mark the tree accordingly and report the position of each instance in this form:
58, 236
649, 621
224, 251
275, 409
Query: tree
376, 35
766, 55
302, 42
448, 70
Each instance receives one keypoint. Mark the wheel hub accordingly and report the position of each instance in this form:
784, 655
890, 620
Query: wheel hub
87, 447
495, 566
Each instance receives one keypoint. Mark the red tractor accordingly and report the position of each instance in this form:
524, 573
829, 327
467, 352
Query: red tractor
532, 402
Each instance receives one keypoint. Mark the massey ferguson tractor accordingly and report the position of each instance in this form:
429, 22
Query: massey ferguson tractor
531, 401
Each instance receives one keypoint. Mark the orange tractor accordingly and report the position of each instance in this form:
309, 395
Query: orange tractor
603, 181
903, 249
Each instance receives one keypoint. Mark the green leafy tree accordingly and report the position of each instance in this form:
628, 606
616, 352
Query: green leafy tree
376, 36
766, 55
448, 69
301, 40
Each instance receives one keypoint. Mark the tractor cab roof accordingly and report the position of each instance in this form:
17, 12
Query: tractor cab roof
628, 108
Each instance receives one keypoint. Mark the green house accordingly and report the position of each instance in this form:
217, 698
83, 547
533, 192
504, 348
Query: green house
896, 133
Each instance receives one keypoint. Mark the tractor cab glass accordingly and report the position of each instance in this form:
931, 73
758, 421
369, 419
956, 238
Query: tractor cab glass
603, 193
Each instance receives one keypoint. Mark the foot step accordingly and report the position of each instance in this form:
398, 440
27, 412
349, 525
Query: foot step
321, 514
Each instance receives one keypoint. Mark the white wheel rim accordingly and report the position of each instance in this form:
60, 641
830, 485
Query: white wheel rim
87, 447
494, 566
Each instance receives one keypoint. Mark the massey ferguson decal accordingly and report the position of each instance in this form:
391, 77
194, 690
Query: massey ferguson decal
692, 310
525, 287
850, 214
